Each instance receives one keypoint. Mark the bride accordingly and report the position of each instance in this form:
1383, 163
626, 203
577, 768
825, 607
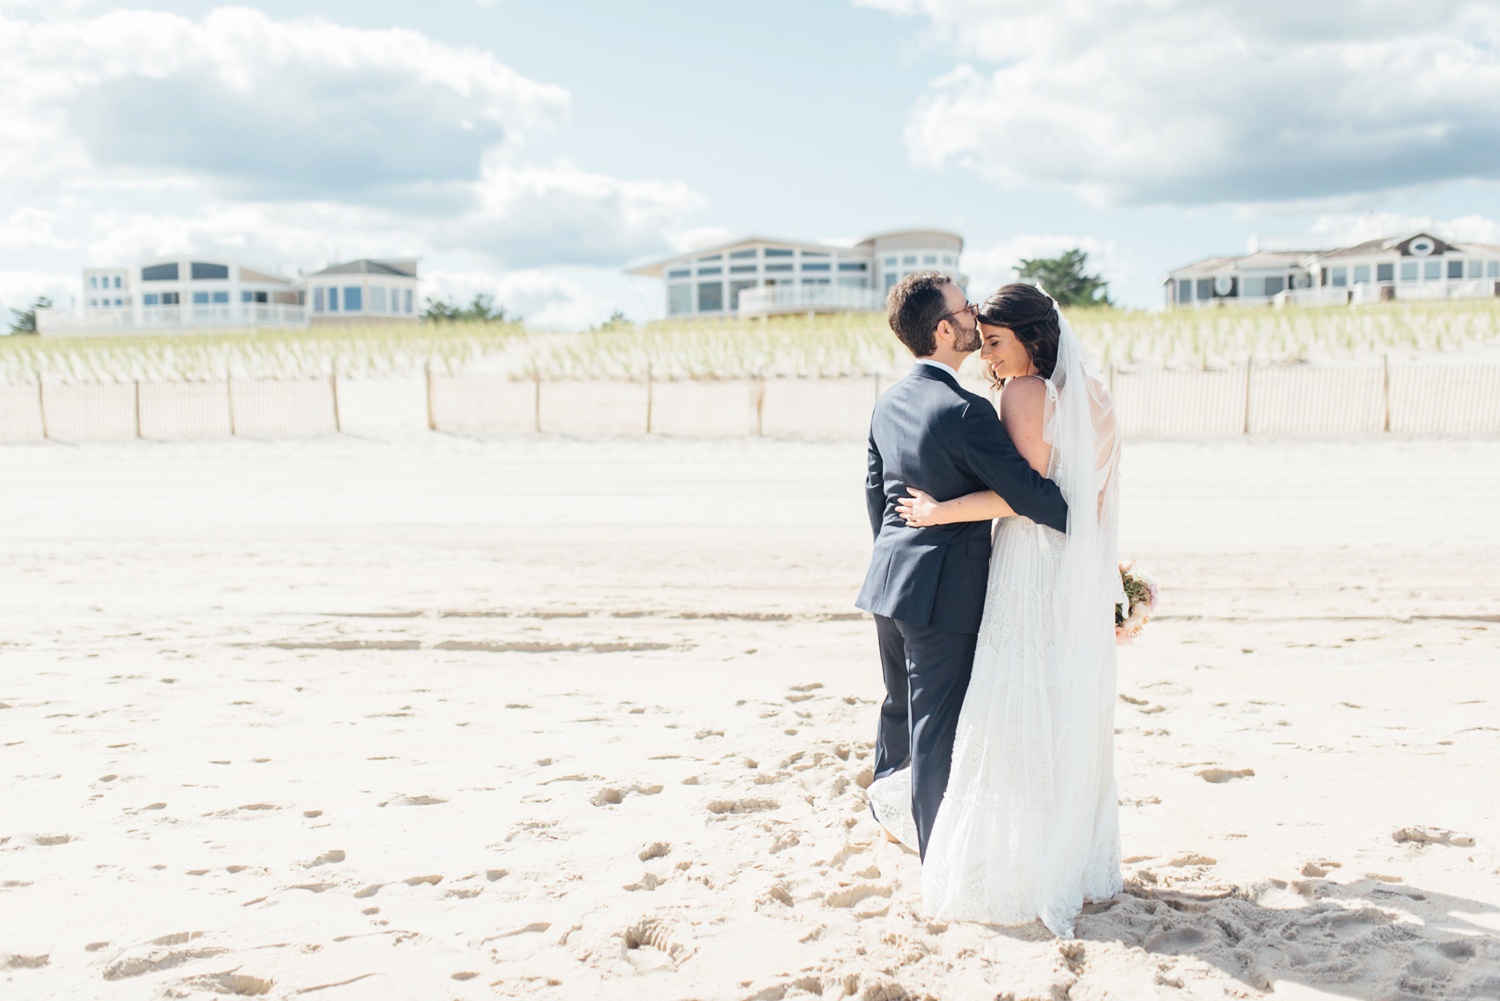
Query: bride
1029, 824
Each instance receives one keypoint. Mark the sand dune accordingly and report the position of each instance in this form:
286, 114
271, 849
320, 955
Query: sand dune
436, 717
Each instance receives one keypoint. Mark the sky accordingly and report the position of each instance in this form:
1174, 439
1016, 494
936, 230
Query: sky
533, 151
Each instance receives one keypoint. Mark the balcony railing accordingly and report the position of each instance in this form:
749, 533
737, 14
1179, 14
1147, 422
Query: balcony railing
124, 319
1357, 295
807, 298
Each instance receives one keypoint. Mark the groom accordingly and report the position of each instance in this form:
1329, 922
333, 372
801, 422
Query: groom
926, 586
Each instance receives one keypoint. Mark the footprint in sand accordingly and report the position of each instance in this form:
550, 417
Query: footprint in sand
404, 800
1218, 775
1431, 836
613, 796
656, 849
327, 858
723, 807
648, 881
239, 984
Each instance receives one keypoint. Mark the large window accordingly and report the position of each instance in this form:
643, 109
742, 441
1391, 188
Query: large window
1492, 269
221, 297
117, 281
408, 300
1184, 290
200, 298
1432, 270
1255, 286
680, 273
1455, 269
254, 297
779, 267
816, 266
679, 299
910, 260
318, 299
1275, 284
710, 297
1361, 274
735, 288
171, 299
890, 262
778, 252
854, 281
93, 281
1408, 271
929, 259
710, 271
1205, 288
377, 299
151, 299
742, 269
159, 273
740, 255
208, 272
1385, 272
853, 266
1340, 277
353, 298
1475, 269
333, 299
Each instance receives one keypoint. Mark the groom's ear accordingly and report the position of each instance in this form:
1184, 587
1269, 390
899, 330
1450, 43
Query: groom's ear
943, 334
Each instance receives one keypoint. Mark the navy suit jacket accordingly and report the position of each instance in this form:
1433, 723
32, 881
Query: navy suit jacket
930, 433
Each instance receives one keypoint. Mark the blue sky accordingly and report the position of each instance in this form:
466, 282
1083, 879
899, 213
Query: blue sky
534, 150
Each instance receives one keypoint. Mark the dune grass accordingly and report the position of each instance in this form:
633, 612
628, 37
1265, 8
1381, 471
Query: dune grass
824, 345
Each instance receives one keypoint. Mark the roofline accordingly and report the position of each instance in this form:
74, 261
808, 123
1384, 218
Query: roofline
654, 269
141, 262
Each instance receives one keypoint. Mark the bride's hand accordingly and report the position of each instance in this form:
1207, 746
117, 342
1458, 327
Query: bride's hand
918, 510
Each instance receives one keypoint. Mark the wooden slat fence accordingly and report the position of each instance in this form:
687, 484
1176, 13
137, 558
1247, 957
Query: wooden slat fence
1305, 400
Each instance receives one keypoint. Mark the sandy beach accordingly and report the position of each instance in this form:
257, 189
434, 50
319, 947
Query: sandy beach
441, 717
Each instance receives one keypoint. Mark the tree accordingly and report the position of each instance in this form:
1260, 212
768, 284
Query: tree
24, 321
616, 320
481, 310
1066, 279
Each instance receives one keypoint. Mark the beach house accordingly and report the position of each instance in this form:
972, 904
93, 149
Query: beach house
363, 291
759, 276
197, 293
1415, 266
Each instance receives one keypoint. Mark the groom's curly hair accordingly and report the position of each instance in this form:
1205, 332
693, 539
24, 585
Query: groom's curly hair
915, 307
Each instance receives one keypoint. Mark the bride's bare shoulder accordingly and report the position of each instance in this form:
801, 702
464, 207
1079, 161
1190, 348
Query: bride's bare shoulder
1022, 398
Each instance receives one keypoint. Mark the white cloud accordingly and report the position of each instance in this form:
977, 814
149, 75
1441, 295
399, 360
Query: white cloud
292, 143
1186, 102
996, 264
263, 107
1342, 230
19, 289
561, 214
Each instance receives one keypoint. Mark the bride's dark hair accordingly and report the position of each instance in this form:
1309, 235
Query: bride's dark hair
1030, 315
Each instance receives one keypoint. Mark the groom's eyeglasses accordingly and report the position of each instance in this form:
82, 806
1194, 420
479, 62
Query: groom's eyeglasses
972, 307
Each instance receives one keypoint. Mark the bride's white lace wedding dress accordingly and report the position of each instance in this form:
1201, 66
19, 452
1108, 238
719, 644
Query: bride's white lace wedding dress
1029, 826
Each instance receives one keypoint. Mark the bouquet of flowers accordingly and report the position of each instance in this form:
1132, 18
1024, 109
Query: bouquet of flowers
1141, 592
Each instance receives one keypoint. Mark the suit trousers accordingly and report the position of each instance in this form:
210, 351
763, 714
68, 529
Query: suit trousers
926, 676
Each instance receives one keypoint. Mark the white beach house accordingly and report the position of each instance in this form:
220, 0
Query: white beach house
363, 291
179, 292
757, 276
193, 293
1416, 266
